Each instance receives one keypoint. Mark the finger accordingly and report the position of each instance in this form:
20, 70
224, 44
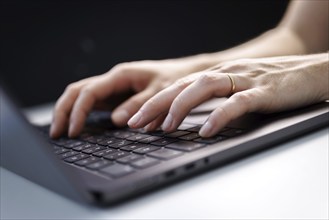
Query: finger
63, 109
155, 123
64, 106
158, 104
234, 107
207, 86
126, 110
99, 89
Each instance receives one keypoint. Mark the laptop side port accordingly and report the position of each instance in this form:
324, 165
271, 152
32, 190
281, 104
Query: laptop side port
190, 166
170, 174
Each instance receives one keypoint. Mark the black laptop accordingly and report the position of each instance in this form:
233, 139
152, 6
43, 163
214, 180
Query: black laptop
106, 165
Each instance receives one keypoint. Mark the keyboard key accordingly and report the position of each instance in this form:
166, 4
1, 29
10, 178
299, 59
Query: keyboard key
176, 134
185, 146
164, 141
146, 149
117, 170
150, 139
165, 154
62, 141
195, 129
138, 137
83, 146
190, 137
68, 154
76, 158
55, 147
61, 150
210, 140
99, 164
94, 139
231, 132
121, 134
87, 161
93, 149
145, 162
73, 144
120, 144
116, 155
130, 158
108, 141
133, 146
105, 152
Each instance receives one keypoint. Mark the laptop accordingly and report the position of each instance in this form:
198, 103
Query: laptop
107, 165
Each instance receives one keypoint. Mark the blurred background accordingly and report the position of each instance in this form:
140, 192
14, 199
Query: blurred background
46, 44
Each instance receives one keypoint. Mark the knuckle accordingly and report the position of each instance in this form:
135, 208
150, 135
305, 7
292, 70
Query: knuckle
136, 101
206, 79
72, 88
122, 68
244, 99
178, 105
88, 91
150, 104
182, 83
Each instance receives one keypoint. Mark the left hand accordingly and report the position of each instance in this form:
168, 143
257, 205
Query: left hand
261, 85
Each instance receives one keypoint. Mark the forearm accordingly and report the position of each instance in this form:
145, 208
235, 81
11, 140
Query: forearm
276, 42
303, 30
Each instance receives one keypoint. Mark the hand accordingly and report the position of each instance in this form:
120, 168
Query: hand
144, 78
261, 85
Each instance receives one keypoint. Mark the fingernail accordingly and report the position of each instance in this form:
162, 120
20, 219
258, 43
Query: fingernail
167, 122
135, 119
205, 130
120, 115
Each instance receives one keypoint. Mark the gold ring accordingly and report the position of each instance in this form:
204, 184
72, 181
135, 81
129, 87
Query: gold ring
232, 84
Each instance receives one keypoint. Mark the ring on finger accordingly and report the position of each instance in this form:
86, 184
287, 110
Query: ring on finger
232, 84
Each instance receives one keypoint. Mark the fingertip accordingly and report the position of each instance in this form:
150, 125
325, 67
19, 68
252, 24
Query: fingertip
120, 117
206, 130
74, 130
52, 132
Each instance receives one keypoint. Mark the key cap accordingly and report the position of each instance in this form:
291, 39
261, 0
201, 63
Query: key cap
210, 140
165, 154
231, 132
93, 149
145, 162
116, 155
130, 158
190, 137
185, 146
76, 158
145, 150
108, 141
120, 144
87, 161
133, 146
68, 154
99, 164
61, 150
164, 141
83, 146
105, 152
122, 134
138, 137
176, 134
73, 144
150, 139
117, 170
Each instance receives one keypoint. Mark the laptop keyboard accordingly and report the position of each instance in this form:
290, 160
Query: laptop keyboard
119, 152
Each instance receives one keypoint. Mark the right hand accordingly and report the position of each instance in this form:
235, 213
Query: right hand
143, 78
